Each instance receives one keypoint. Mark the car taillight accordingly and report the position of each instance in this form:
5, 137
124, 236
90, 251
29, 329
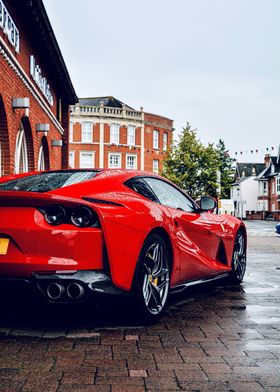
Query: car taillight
55, 215
83, 217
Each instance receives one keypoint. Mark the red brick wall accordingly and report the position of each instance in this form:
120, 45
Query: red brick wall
12, 86
29, 46
162, 124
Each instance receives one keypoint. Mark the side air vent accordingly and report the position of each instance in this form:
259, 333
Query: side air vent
221, 254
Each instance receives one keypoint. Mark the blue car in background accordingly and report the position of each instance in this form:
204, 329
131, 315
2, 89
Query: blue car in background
277, 228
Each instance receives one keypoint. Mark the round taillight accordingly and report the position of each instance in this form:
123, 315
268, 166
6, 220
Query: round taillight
83, 217
55, 215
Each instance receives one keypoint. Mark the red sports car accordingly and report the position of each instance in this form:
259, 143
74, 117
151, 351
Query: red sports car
76, 233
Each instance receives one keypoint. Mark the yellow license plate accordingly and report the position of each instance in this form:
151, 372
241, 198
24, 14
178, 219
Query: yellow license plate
4, 243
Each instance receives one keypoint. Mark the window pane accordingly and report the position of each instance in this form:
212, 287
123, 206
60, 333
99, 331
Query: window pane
114, 161
155, 166
131, 162
72, 159
86, 160
71, 132
170, 196
131, 135
140, 186
155, 139
114, 133
86, 132
164, 142
45, 182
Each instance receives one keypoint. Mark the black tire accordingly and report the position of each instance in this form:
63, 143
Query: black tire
151, 281
239, 258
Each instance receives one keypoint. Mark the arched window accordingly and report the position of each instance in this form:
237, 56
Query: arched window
4, 141
41, 159
21, 155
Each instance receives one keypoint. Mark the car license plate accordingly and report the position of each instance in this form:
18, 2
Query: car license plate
4, 243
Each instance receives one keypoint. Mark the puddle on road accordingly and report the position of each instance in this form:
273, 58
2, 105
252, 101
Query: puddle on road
260, 290
264, 314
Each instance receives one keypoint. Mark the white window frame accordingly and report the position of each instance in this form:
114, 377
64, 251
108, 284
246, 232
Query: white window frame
265, 187
71, 126
115, 165
155, 139
92, 153
21, 151
115, 133
128, 156
131, 130
71, 159
86, 133
278, 185
155, 166
164, 141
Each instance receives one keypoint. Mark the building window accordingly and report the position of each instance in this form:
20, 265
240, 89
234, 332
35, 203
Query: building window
131, 161
114, 134
21, 156
155, 166
71, 132
41, 159
131, 135
86, 160
87, 132
164, 141
278, 185
72, 159
155, 139
265, 187
114, 161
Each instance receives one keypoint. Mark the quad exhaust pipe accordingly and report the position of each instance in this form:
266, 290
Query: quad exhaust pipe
56, 291
75, 291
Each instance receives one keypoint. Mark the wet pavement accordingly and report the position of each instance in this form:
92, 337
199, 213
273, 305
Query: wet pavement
213, 338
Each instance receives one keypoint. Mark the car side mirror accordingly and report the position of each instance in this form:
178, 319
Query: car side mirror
207, 203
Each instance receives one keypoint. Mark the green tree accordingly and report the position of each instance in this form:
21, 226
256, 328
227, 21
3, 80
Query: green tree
226, 169
192, 166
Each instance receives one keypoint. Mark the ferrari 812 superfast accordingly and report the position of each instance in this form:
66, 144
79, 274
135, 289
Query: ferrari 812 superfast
78, 234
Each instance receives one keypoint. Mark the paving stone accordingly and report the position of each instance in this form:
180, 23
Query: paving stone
213, 338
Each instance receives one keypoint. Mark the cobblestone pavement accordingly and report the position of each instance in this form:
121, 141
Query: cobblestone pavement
213, 338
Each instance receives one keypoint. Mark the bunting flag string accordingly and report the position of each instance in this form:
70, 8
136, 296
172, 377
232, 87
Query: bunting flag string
258, 150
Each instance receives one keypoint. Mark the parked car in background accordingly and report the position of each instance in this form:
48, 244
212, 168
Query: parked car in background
277, 228
76, 234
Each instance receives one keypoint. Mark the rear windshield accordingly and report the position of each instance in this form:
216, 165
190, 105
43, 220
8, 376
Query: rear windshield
47, 181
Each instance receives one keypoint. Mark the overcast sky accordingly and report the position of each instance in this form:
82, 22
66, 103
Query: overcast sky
213, 63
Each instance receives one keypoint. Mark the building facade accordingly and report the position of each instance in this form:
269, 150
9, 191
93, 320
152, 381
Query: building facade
106, 133
35, 91
244, 190
269, 188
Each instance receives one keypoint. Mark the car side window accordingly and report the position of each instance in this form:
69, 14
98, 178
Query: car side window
170, 196
140, 186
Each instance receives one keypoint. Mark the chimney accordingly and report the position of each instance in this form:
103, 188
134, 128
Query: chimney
267, 160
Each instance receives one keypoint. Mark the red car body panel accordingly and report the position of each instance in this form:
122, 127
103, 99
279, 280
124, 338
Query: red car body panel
36, 246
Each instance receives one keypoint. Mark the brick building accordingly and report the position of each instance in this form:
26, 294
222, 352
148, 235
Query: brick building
106, 133
269, 188
35, 91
